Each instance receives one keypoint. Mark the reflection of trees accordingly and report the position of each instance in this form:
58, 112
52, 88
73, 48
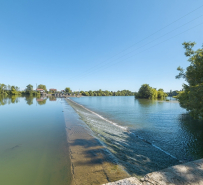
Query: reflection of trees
3, 101
29, 100
194, 132
41, 101
14, 99
8, 99
52, 98
146, 102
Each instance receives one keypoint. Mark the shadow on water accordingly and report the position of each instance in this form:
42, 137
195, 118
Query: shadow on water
194, 131
94, 151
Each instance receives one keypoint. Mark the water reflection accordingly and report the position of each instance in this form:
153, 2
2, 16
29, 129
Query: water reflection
146, 103
52, 98
9, 99
33, 144
193, 132
158, 122
29, 100
41, 101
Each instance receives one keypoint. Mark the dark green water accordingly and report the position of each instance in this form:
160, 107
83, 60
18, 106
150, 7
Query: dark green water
33, 149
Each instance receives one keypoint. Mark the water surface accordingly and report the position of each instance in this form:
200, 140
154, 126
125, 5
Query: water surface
162, 124
33, 147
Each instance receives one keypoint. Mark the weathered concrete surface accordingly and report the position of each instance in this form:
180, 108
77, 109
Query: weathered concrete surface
128, 181
185, 174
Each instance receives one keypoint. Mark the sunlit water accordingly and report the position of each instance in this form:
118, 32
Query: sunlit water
33, 149
163, 125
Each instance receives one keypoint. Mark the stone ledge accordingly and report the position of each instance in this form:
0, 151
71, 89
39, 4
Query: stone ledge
127, 181
184, 174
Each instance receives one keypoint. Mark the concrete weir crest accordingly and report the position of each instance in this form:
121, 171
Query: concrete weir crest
190, 173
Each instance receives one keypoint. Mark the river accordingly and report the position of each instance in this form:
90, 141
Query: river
33, 147
144, 135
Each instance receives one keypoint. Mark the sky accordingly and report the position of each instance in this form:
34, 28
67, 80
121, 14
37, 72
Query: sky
103, 44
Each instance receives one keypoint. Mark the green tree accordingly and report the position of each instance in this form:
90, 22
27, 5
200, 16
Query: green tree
68, 90
2, 88
91, 93
145, 91
29, 87
148, 92
161, 94
191, 97
42, 87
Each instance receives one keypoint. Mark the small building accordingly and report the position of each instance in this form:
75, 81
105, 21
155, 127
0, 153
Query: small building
40, 90
52, 90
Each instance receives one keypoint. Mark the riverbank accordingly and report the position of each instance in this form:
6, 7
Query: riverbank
91, 163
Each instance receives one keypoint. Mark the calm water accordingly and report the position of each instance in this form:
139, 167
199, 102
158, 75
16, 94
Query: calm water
163, 125
33, 147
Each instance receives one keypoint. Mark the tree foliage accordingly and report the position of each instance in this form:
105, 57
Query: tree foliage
2, 88
191, 97
29, 87
9, 90
68, 90
147, 92
107, 93
42, 87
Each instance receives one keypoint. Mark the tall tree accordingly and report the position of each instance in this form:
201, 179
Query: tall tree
145, 91
191, 97
42, 87
68, 90
148, 92
29, 87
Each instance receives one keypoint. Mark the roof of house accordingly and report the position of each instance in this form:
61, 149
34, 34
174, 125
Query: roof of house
40, 89
40, 99
53, 89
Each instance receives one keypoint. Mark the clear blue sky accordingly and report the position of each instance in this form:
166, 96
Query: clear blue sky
79, 43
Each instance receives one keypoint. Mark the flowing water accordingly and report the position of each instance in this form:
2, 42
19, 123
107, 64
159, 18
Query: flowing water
33, 148
143, 135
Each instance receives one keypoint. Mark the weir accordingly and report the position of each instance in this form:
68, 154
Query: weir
138, 159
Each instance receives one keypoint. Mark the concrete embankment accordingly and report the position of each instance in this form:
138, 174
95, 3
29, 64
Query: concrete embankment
91, 163
185, 174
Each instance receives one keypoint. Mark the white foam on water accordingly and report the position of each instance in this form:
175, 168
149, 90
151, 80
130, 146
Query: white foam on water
155, 146
124, 128
164, 151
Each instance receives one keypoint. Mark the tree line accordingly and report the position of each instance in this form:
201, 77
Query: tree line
15, 90
7, 89
99, 92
